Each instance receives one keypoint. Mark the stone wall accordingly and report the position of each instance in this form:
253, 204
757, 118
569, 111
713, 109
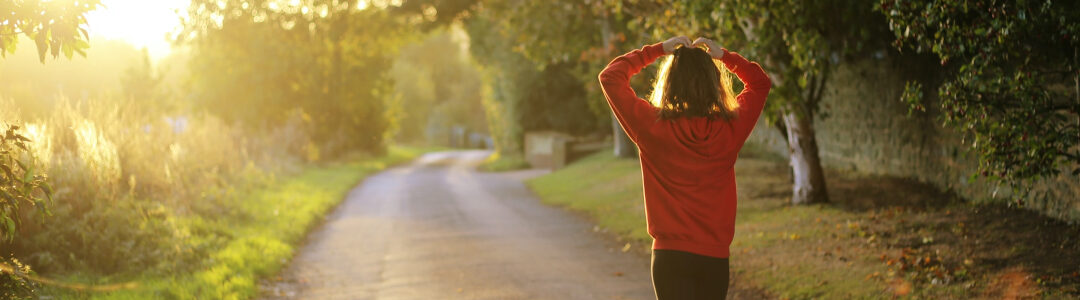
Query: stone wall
867, 130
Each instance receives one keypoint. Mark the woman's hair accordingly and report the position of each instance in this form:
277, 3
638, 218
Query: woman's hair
691, 84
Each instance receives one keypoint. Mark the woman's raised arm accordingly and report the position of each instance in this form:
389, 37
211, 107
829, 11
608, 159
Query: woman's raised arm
756, 85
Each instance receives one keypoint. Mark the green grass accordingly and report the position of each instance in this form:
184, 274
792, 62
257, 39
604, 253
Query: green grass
775, 244
605, 188
500, 163
267, 226
879, 238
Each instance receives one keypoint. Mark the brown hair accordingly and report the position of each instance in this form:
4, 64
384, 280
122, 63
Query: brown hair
691, 84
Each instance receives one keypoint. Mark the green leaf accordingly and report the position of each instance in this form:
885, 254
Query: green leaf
7, 171
56, 50
9, 227
69, 51
11, 199
28, 172
42, 46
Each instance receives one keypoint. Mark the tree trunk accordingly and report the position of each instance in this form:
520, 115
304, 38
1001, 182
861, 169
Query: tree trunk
808, 178
624, 147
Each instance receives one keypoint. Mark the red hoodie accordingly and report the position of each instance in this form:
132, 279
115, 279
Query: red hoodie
687, 164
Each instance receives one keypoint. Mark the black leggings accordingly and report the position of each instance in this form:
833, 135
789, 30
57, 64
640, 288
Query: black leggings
684, 275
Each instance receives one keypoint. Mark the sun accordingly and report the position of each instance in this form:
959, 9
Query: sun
143, 23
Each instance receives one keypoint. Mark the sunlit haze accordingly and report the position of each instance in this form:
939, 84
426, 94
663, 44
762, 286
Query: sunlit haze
433, 149
139, 22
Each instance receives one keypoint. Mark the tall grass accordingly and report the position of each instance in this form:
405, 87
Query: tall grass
123, 174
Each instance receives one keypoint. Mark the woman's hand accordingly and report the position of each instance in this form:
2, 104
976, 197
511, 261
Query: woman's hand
670, 44
714, 50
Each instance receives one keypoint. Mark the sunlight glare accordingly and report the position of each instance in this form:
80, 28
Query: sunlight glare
139, 22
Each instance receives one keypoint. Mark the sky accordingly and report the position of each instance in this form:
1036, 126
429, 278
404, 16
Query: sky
142, 23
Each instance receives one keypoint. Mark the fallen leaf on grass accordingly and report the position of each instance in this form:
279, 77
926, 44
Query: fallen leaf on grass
1013, 283
900, 287
873, 275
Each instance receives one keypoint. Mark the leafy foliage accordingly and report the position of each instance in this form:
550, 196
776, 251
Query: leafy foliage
1013, 78
527, 93
20, 183
798, 43
436, 92
568, 40
12, 284
259, 63
792, 39
55, 26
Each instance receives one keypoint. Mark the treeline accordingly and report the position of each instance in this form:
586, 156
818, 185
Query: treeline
437, 87
259, 63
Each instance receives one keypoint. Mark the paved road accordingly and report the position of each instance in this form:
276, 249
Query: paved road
438, 229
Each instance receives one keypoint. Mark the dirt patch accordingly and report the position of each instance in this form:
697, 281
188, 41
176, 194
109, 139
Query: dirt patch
935, 238
1014, 283
876, 192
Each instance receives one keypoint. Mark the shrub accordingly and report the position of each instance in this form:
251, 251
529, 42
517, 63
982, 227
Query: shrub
20, 186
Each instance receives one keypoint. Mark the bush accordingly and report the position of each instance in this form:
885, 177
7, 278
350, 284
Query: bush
12, 285
20, 185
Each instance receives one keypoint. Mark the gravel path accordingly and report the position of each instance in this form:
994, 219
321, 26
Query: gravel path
438, 229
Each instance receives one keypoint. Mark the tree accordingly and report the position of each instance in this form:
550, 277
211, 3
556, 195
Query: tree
1012, 81
55, 26
581, 35
260, 63
436, 92
562, 40
503, 70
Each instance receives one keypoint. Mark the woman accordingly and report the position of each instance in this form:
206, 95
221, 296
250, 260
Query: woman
689, 138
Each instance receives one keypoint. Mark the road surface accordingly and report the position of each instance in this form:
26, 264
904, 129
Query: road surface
439, 229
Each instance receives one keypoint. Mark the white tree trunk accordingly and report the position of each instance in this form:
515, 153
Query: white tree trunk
808, 178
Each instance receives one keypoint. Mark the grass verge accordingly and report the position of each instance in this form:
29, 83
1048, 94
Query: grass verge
257, 238
880, 238
499, 162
